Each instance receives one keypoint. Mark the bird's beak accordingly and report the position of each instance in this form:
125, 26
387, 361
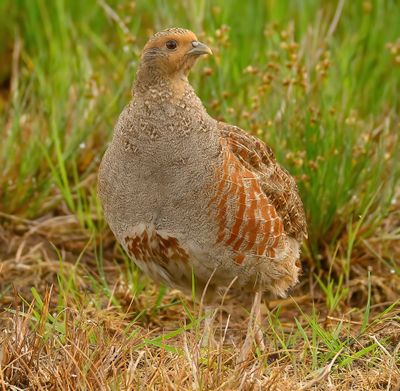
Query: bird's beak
199, 49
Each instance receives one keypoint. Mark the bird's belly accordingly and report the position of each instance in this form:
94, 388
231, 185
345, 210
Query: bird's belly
159, 254
145, 243
173, 259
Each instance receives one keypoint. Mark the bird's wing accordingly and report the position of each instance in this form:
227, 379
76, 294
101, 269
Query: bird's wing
260, 195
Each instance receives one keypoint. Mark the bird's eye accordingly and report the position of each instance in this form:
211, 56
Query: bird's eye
171, 45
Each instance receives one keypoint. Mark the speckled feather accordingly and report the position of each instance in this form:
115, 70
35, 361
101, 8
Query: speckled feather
183, 192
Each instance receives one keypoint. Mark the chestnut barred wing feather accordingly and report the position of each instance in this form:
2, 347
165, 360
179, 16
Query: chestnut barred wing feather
256, 199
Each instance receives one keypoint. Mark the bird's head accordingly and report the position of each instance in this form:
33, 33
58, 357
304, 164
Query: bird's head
172, 52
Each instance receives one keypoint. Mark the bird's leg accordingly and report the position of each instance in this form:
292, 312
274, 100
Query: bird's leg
208, 333
254, 332
258, 334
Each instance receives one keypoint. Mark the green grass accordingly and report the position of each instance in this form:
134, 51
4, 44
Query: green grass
318, 81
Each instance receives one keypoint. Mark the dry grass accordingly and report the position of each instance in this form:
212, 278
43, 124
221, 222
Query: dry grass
104, 334
91, 349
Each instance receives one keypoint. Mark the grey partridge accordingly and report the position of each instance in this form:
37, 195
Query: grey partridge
190, 197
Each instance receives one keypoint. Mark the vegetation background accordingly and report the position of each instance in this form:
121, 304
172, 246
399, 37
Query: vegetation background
317, 80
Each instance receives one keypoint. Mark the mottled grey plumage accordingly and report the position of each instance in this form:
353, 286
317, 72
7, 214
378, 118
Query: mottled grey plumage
182, 191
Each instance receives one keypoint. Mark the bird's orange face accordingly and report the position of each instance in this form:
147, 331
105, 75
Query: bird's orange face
173, 51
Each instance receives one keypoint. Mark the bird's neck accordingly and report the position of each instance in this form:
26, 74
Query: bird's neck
151, 84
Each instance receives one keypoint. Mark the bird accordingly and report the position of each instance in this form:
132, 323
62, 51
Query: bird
191, 199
